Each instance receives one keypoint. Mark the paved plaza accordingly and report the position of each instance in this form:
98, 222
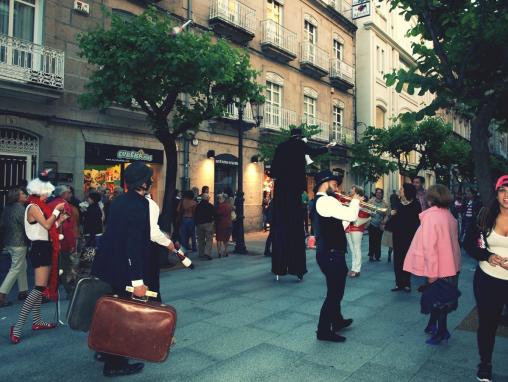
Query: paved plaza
236, 323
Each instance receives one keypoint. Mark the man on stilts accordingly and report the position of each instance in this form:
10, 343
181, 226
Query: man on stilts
288, 234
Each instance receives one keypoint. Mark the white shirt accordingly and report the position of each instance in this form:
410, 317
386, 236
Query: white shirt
156, 235
329, 207
498, 244
35, 231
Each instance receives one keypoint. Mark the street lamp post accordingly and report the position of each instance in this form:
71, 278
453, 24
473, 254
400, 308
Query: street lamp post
239, 200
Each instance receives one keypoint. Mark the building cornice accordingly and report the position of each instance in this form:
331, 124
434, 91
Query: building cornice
336, 15
370, 25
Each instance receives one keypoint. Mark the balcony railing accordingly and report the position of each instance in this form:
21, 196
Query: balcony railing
339, 69
343, 135
235, 13
315, 56
277, 118
24, 61
280, 37
341, 6
324, 134
233, 113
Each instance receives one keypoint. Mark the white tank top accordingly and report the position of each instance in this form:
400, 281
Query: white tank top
35, 231
498, 244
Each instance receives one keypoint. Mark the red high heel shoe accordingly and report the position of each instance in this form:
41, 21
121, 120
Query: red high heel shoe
43, 326
14, 339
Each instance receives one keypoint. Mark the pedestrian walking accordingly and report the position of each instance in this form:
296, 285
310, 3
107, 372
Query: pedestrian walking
421, 194
68, 243
471, 209
331, 251
268, 243
223, 224
487, 242
186, 209
41, 227
354, 235
264, 205
404, 223
375, 226
15, 243
124, 253
205, 217
435, 254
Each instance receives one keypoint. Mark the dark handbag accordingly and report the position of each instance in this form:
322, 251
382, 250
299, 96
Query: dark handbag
132, 328
88, 291
440, 294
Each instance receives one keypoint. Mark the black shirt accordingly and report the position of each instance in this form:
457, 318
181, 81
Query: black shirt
205, 213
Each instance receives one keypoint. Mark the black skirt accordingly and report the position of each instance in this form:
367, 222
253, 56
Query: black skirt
40, 253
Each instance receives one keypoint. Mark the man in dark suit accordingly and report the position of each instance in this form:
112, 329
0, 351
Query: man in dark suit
288, 235
124, 254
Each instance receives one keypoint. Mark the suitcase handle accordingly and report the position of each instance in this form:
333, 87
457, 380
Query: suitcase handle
148, 294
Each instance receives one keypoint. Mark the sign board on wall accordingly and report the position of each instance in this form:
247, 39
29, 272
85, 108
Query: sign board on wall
360, 10
98, 153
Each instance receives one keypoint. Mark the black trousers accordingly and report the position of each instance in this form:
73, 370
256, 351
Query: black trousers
268, 244
491, 295
402, 278
333, 265
375, 235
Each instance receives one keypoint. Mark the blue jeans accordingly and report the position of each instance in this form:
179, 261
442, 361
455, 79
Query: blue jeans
188, 230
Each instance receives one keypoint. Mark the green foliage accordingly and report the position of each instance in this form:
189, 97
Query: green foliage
381, 151
269, 143
461, 54
139, 59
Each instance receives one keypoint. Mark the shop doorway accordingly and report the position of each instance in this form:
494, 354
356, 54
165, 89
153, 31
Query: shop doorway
18, 159
226, 174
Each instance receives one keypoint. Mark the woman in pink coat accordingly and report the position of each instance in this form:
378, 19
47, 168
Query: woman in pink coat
435, 254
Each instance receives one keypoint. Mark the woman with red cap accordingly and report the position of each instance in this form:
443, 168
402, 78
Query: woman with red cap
487, 242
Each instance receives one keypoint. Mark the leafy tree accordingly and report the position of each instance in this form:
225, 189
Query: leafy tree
368, 166
142, 60
270, 142
398, 142
462, 58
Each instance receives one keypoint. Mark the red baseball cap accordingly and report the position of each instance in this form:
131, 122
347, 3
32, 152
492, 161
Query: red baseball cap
502, 181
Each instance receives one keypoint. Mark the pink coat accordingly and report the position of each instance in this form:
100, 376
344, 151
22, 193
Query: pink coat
435, 250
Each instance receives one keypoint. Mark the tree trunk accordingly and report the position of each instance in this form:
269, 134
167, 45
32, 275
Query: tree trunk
480, 148
169, 143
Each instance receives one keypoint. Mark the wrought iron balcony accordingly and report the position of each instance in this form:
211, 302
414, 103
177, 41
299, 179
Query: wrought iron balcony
341, 6
29, 63
343, 135
232, 113
314, 60
342, 75
233, 20
324, 134
278, 42
277, 118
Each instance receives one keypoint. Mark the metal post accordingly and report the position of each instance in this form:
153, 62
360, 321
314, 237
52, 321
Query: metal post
239, 200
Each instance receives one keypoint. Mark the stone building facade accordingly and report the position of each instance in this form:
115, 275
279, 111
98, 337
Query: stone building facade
304, 50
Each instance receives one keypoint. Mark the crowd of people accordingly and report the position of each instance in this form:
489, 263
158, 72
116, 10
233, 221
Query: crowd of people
424, 228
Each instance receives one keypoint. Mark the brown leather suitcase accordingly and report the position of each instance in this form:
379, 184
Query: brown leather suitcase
132, 328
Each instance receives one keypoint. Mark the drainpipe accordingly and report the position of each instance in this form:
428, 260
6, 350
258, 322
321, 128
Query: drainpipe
185, 178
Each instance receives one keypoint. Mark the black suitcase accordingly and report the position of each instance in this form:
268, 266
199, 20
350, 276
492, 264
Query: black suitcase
88, 291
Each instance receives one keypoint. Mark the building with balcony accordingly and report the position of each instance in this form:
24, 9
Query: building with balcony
381, 48
303, 49
41, 123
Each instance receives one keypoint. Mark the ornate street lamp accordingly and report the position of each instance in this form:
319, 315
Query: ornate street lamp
257, 114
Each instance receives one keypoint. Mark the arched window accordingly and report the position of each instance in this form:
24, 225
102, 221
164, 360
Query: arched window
380, 117
273, 101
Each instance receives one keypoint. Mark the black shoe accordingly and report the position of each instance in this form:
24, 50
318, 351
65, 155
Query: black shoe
330, 336
342, 324
396, 289
300, 277
99, 357
407, 289
128, 369
484, 373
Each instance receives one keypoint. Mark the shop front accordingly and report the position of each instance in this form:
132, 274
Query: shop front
226, 174
105, 165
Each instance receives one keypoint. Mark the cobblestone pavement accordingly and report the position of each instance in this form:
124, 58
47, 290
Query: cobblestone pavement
236, 323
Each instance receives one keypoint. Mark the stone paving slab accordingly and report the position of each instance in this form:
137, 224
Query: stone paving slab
236, 323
